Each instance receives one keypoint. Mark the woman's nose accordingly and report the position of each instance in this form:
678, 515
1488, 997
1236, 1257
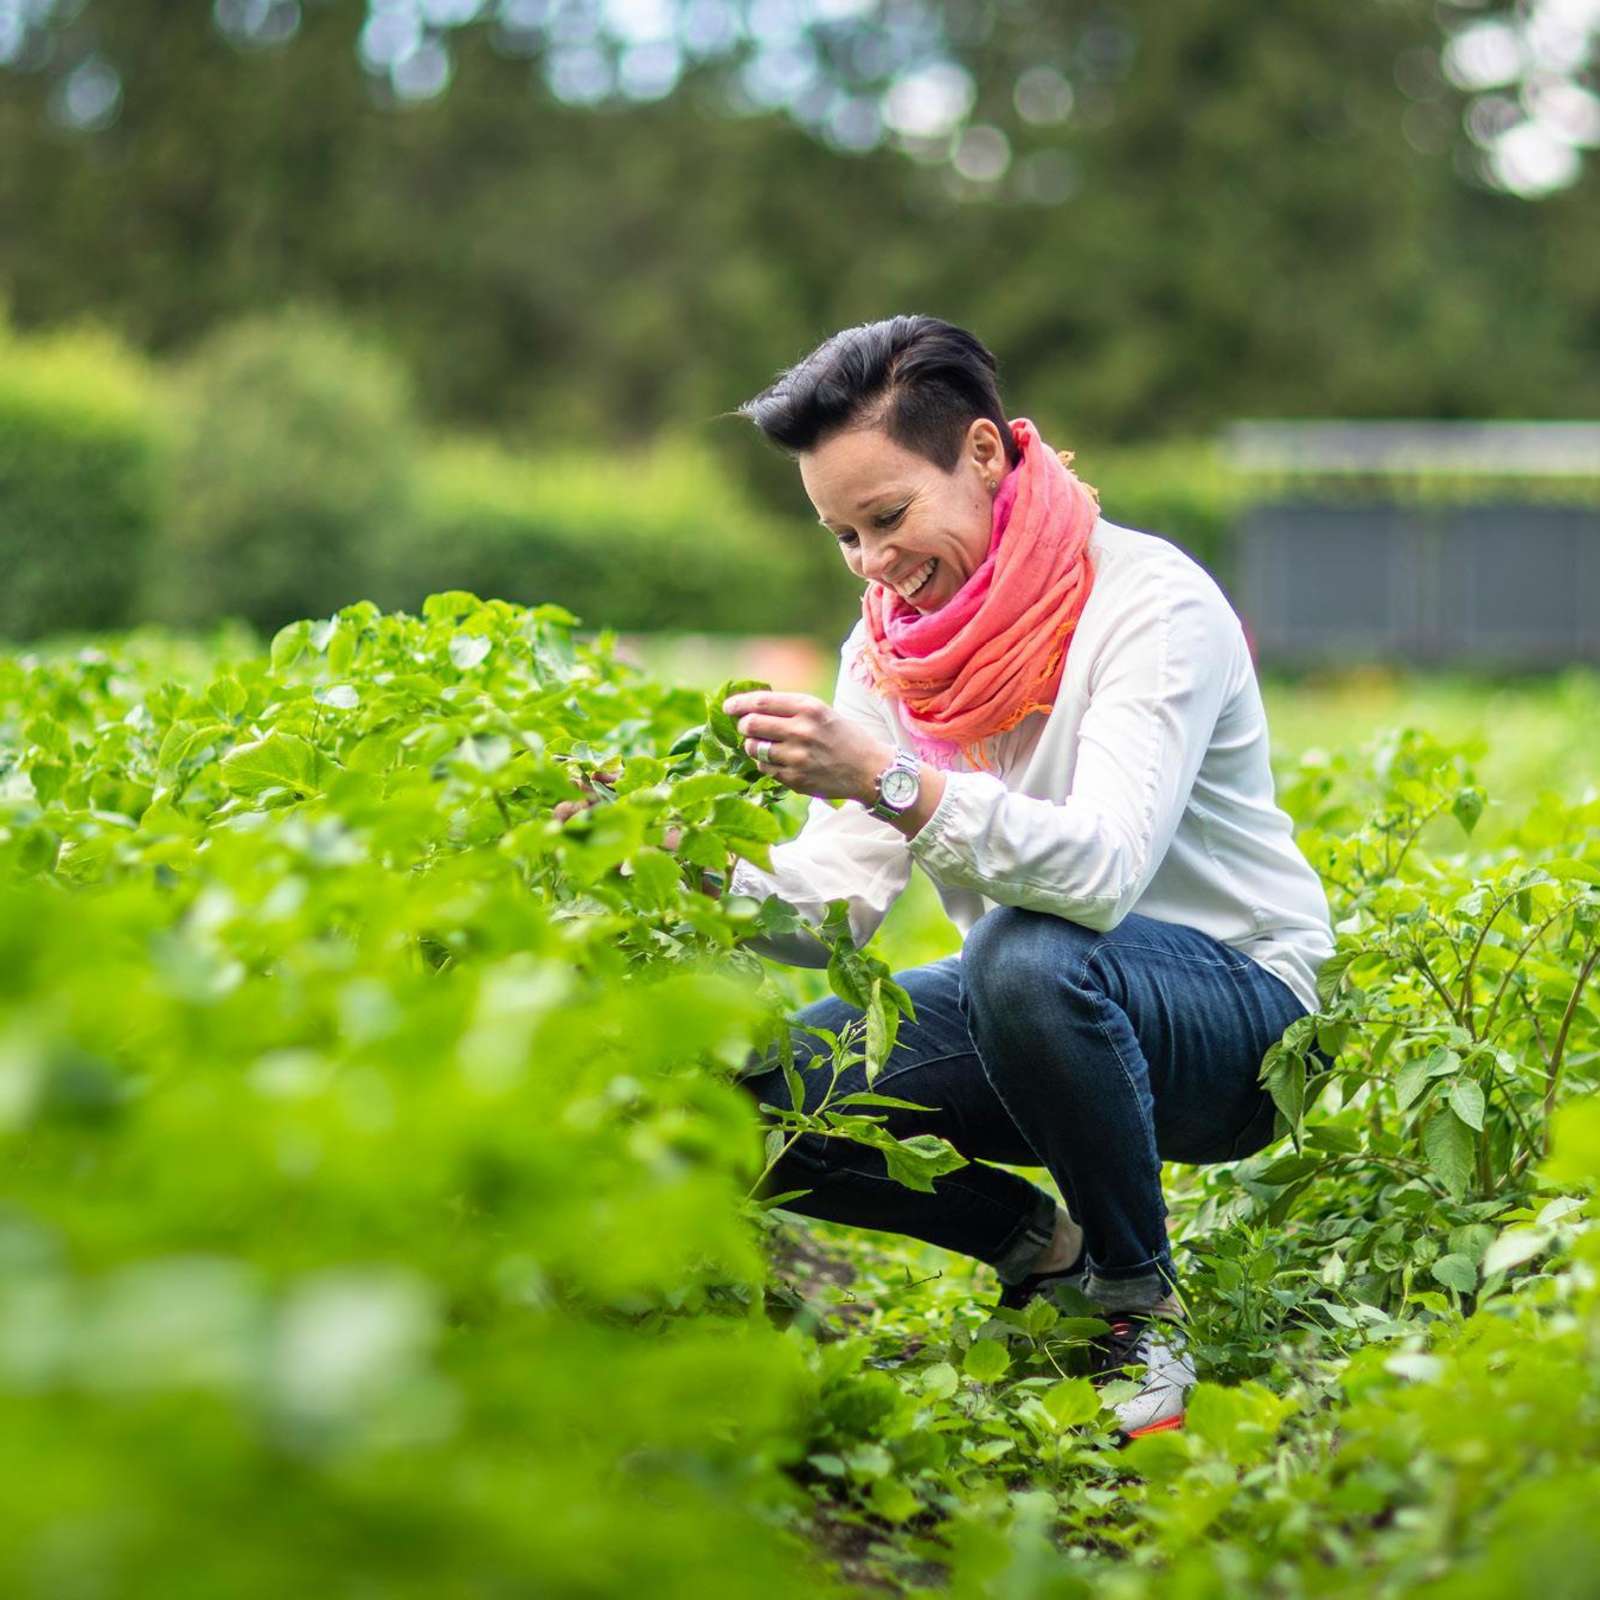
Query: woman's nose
877, 563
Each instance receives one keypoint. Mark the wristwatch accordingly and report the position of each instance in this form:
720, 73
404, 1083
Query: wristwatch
898, 786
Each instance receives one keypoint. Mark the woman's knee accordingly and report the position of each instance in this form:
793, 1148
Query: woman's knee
1016, 961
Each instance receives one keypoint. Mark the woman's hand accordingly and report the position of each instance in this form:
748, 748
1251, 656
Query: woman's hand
570, 808
813, 749
670, 839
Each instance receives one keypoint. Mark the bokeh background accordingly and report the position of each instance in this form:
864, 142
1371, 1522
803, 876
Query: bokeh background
307, 300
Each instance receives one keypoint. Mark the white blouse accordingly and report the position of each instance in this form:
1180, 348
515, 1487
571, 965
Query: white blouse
1145, 788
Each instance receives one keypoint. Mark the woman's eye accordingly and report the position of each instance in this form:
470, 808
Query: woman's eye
889, 518
846, 539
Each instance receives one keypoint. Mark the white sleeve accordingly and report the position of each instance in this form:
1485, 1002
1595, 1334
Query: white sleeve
841, 853
1155, 693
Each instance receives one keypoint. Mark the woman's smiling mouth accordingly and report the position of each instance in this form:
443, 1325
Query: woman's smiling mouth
918, 581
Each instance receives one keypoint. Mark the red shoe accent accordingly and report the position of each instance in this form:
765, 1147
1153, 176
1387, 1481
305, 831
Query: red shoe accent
1165, 1425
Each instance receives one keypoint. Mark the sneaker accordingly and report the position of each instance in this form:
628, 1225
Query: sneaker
1155, 1346
1014, 1296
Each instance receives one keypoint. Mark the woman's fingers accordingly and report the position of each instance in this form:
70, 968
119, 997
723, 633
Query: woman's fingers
570, 808
770, 702
773, 728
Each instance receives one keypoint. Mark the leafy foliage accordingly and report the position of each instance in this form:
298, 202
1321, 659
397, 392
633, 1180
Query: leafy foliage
655, 539
282, 468
363, 1123
1207, 212
84, 446
294, 470
376, 1167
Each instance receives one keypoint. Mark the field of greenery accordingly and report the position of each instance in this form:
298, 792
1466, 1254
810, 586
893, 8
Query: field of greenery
378, 1215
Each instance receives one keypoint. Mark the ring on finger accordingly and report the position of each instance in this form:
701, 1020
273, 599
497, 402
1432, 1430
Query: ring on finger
763, 752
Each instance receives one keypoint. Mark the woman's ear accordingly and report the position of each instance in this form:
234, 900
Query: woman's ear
986, 449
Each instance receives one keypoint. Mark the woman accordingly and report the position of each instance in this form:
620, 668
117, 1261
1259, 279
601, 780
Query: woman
1058, 719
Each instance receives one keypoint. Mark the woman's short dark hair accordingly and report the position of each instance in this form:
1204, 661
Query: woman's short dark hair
923, 381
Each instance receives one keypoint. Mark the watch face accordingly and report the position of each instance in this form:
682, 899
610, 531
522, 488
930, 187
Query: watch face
899, 788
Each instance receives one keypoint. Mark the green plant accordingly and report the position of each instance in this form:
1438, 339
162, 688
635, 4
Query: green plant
83, 453
656, 539
376, 1168
294, 465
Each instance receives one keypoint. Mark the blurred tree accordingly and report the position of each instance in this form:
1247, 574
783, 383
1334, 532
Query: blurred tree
1160, 215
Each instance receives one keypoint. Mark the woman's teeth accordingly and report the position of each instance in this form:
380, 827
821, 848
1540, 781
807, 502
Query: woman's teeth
918, 580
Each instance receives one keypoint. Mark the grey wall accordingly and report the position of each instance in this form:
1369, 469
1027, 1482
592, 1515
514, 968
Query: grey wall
1484, 585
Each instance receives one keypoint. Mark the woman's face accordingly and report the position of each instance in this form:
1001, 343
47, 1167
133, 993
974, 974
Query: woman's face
900, 520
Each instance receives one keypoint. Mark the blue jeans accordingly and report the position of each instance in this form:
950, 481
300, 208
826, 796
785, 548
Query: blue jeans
1046, 1044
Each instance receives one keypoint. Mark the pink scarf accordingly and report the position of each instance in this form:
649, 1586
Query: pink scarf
995, 651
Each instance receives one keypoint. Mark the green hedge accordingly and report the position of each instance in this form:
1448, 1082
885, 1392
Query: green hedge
281, 472
1182, 491
632, 541
295, 465
83, 443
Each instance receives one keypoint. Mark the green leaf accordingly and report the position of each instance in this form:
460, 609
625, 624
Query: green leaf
1514, 1247
939, 1381
1442, 1062
49, 735
1468, 807
657, 877
893, 1501
1288, 1169
1466, 1100
281, 760
1574, 1158
227, 697
869, 1461
185, 739
1330, 976
850, 975
865, 1097
469, 650
1456, 1272
1039, 1316
883, 1023
991, 1450
640, 772
36, 850
288, 645
694, 797
917, 1161
1573, 871
1411, 1083
1071, 1402
1448, 1144
986, 1361
723, 728
450, 605
1286, 1082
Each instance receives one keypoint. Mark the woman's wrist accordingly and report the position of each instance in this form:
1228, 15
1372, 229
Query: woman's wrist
915, 817
931, 785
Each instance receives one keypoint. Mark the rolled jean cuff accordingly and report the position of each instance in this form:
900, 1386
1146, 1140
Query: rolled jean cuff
1131, 1291
1027, 1242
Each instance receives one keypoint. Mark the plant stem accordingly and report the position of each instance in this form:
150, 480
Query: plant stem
1533, 939
1438, 988
1553, 1076
1472, 960
1416, 832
